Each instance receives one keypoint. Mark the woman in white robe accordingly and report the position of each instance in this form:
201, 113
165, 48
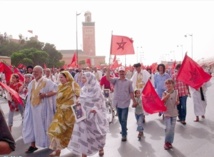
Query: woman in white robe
200, 101
89, 135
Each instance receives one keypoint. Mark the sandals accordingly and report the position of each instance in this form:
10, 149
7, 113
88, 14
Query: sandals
140, 135
55, 153
31, 150
197, 119
101, 152
183, 122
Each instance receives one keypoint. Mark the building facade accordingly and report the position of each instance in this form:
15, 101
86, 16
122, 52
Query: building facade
89, 46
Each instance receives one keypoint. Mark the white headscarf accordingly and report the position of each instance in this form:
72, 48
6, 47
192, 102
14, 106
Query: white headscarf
91, 89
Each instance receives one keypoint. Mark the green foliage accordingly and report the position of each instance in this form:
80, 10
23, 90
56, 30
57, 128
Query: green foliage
7, 48
30, 56
55, 55
30, 52
33, 44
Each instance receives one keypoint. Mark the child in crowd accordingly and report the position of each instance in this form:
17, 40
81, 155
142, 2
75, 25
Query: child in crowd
171, 100
15, 84
139, 113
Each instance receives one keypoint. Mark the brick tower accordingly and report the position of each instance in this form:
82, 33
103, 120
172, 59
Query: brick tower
88, 33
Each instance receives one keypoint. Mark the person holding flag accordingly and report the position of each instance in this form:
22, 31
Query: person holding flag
139, 79
171, 100
183, 93
194, 75
15, 84
123, 93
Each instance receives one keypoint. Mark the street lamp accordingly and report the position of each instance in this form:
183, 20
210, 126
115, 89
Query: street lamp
181, 50
77, 14
138, 51
191, 35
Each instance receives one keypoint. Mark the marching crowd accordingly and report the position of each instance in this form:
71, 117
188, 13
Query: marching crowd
49, 94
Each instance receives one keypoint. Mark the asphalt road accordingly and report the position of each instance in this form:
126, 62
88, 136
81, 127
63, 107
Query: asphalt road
196, 139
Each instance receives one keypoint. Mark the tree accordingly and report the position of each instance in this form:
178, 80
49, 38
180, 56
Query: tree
56, 56
21, 40
33, 44
7, 48
29, 56
11, 47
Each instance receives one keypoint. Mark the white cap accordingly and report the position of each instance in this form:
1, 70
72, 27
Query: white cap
121, 68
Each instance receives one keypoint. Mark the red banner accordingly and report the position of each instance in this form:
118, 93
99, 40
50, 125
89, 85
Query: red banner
151, 101
121, 45
192, 74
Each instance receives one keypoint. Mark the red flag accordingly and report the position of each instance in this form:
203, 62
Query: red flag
115, 65
174, 65
15, 96
192, 74
20, 66
7, 71
73, 61
154, 67
88, 62
121, 45
151, 101
1, 67
64, 66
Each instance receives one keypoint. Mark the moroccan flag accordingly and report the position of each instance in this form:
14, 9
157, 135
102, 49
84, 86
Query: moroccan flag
7, 71
73, 61
121, 45
15, 96
151, 101
88, 62
20, 66
64, 66
115, 65
173, 65
154, 67
192, 74
1, 67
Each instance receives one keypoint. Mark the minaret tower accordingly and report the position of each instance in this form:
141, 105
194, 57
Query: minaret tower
88, 28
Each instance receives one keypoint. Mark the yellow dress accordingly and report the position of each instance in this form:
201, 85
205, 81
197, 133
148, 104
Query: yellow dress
61, 128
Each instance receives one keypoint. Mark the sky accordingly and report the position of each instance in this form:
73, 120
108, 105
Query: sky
158, 28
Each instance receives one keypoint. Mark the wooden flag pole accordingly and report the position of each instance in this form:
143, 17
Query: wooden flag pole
110, 48
125, 61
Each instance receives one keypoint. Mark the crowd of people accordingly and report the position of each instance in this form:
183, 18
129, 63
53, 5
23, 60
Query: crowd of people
49, 94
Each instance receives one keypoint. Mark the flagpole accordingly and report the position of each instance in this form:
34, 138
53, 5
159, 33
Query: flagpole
125, 60
77, 14
110, 47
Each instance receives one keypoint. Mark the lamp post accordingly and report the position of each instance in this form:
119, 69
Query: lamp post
191, 35
138, 51
77, 14
181, 50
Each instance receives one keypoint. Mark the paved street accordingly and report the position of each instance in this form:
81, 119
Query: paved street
193, 140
